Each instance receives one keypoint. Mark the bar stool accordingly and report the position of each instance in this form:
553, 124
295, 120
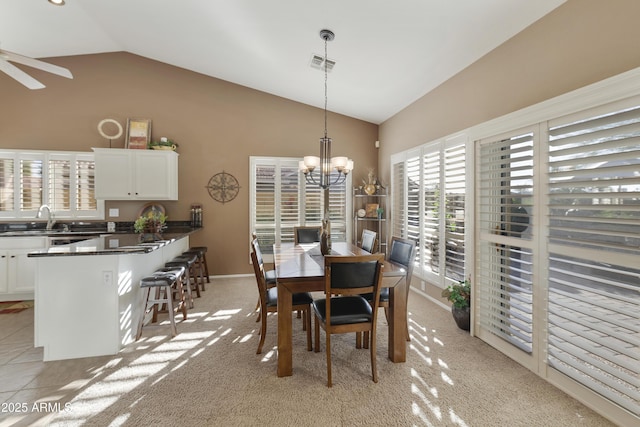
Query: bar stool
186, 261
203, 250
162, 284
199, 265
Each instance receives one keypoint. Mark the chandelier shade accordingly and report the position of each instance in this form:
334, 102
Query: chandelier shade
325, 164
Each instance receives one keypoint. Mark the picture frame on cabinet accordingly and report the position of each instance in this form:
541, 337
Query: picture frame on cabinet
138, 134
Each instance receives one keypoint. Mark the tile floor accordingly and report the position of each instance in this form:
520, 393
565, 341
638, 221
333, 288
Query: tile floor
26, 381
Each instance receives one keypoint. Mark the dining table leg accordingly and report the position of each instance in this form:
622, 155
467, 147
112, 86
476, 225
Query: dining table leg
285, 339
398, 322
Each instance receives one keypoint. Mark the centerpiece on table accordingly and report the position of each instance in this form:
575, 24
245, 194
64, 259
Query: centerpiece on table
150, 225
460, 295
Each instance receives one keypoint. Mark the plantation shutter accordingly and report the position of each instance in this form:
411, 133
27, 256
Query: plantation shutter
431, 230
264, 205
504, 213
338, 209
594, 252
7, 192
85, 185
59, 185
413, 199
398, 182
31, 184
455, 187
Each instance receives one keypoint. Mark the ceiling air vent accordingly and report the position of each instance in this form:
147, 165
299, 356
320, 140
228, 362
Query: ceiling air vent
317, 62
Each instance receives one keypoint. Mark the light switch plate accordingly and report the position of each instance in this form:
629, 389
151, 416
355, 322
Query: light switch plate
114, 212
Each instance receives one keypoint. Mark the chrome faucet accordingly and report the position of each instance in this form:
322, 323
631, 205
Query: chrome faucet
50, 219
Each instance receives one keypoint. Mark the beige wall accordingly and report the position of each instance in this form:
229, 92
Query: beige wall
581, 42
217, 124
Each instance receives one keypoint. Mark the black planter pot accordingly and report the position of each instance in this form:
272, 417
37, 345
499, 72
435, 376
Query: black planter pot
462, 316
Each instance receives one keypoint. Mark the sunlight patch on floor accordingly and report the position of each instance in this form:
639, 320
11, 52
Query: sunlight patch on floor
151, 367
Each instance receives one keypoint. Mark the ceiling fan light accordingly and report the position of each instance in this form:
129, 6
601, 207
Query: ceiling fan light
57, 2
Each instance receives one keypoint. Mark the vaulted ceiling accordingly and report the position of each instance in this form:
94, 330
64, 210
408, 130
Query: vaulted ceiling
387, 53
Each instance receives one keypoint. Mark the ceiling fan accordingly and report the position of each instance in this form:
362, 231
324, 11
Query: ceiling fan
24, 78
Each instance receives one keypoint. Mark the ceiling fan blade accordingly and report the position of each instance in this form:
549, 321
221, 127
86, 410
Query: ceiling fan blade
36, 63
20, 75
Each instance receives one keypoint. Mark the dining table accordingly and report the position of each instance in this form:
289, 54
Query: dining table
300, 268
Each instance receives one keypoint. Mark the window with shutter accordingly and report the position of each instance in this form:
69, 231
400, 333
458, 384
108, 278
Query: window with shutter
428, 203
505, 199
281, 200
64, 181
594, 248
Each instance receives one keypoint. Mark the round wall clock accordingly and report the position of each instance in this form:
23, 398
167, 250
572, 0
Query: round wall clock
223, 187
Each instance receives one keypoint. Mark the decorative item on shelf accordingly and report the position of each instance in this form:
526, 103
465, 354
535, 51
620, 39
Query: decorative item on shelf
105, 135
138, 133
196, 215
325, 163
380, 212
372, 210
460, 295
370, 184
361, 213
150, 225
163, 144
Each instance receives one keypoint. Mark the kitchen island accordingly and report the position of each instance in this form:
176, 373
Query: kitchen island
87, 298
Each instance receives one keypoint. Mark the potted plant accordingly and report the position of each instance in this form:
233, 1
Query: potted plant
150, 225
163, 144
460, 296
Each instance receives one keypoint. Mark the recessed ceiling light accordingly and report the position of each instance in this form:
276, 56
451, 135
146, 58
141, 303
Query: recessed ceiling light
57, 2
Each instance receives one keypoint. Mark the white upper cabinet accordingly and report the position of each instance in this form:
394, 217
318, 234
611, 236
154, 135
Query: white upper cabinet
123, 174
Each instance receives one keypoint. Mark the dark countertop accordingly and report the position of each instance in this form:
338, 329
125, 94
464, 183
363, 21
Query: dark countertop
113, 244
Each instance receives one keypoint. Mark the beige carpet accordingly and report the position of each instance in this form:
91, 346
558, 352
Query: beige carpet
209, 375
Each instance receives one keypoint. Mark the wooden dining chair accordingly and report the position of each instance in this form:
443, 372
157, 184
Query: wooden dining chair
305, 234
269, 303
403, 252
368, 241
270, 275
344, 310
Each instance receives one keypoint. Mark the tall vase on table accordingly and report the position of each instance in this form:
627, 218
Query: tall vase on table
325, 237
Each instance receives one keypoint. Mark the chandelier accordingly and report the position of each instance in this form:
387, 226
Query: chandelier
325, 164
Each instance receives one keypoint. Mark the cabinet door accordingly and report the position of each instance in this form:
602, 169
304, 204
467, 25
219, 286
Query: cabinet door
156, 175
21, 271
4, 262
114, 179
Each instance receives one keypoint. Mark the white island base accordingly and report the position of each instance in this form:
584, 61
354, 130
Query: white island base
90, 305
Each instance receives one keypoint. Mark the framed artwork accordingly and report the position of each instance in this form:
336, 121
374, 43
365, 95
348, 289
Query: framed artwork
372, 210
138, 134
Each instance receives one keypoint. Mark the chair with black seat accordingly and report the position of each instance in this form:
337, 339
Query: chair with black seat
402, 252
368, 242
344, 310
269, 303
270, 275
305, 234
